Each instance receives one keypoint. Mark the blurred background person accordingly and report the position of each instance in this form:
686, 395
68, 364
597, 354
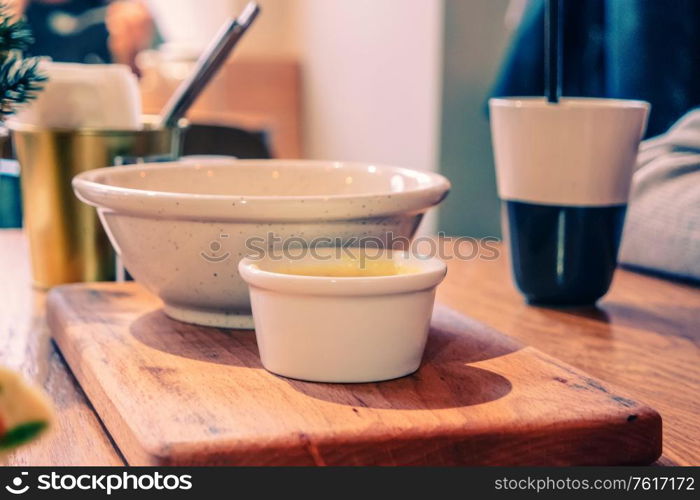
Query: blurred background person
88, 31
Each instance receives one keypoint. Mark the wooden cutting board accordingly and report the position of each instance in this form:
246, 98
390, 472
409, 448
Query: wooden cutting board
176, 394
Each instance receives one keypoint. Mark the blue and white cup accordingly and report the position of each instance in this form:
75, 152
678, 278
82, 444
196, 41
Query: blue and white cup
564, 173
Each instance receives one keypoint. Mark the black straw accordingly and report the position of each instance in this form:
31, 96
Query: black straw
552, 47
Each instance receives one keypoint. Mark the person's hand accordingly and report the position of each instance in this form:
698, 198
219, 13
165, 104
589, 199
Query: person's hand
130, 28
15, 7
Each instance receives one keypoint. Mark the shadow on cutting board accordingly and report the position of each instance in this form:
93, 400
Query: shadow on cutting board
445, 380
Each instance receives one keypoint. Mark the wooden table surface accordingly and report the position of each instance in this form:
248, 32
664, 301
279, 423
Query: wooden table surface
643, 337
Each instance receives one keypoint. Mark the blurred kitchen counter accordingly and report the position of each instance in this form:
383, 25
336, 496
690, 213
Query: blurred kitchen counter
644, 337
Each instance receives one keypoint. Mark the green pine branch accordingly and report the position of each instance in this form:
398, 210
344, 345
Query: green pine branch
20, 81
14, 33
20, 77
21, 434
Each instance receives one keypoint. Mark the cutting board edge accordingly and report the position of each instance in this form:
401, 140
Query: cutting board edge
108, 416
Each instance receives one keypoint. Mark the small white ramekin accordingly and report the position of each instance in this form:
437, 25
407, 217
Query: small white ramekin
342, 329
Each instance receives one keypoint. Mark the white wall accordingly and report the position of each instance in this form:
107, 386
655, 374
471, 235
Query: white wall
371, 69
191, 23
372, 76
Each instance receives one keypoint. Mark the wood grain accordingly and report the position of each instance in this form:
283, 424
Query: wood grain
644, 336
648, 330
177, 394
25, 345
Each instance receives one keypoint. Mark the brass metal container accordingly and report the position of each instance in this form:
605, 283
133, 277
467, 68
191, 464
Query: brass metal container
66, 240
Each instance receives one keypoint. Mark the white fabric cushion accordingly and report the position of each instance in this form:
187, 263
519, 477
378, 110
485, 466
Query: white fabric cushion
662, 230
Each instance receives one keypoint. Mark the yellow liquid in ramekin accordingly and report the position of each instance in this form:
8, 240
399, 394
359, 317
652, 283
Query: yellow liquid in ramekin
347, 268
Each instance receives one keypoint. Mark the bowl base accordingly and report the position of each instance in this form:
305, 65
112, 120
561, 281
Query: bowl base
239, 321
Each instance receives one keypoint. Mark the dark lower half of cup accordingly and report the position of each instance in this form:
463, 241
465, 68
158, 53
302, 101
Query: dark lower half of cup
563, 255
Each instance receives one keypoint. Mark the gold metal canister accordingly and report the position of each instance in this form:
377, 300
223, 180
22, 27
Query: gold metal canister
66, 240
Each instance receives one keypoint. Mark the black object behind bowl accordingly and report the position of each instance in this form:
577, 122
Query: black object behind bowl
203, 139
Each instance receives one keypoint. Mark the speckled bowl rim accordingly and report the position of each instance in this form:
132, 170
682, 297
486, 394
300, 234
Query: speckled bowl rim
90, 188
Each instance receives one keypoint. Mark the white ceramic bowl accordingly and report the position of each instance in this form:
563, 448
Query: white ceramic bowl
181, 228
341, 329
